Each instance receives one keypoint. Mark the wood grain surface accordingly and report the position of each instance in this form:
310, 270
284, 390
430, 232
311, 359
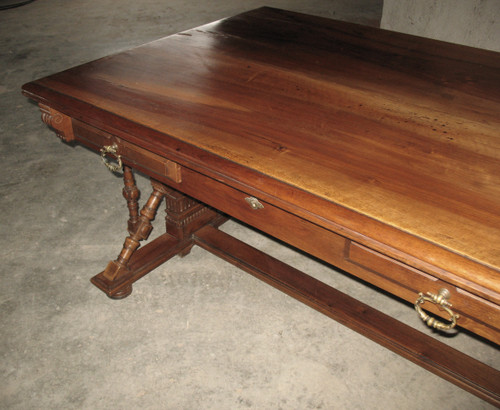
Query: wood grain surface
392, 137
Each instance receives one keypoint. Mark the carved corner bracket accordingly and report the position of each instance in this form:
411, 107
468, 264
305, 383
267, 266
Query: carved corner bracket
59, 122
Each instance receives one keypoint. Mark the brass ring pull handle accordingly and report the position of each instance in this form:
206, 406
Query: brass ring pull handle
441, 299
111, 149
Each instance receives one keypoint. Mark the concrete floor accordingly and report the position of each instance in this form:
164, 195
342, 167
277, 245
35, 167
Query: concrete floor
196, 333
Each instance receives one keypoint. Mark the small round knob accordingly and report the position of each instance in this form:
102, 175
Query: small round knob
254, 203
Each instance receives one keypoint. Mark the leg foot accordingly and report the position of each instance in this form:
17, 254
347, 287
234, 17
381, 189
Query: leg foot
122, 293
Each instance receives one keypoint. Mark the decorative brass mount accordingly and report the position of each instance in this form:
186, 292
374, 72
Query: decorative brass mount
111, 149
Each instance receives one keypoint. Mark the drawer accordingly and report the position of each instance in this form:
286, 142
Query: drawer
280, 224
130, 154
476, 314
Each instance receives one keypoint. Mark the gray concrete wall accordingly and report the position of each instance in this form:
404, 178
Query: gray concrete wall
474, 23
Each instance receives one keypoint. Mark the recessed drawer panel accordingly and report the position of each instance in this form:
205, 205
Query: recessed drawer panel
139, 157
476, 314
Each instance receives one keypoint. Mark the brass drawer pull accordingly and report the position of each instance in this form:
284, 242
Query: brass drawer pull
254, 202
111, 149
441, 299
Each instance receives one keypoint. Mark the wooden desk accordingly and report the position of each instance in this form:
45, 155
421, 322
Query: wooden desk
374, 151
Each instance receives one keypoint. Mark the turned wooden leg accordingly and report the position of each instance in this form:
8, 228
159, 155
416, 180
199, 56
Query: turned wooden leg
114, 279
141, 232
131, 193
184, 216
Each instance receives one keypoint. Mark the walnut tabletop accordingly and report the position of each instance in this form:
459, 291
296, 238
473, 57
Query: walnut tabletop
388, 140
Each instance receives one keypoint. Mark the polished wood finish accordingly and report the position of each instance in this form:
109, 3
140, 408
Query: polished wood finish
374, 151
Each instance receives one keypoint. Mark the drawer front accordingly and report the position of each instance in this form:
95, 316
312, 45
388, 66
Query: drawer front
476, 314
130, 154
280, 224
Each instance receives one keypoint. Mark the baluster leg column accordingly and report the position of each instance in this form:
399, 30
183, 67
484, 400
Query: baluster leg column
115, 280
131, 193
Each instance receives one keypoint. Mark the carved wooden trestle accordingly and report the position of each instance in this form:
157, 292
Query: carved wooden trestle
184, 216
